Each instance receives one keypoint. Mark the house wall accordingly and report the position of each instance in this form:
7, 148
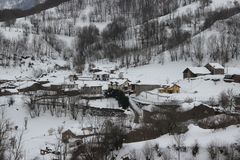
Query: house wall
236, 78
176, 89
219, 71
91, 90
188, 74
101, 77
173, 89
138, 88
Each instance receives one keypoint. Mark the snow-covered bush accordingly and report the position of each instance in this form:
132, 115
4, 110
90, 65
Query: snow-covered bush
195, 149
37, 73
11, 101
213, 151
227, 100
188, 100
51, 131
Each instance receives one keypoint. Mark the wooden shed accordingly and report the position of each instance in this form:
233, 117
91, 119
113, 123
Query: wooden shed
215, 68
236, 78
232, 78
192, 72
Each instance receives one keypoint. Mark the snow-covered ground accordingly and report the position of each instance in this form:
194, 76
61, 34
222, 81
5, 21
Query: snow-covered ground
156, 73
37, 136
104, 103
199, 89
204, 137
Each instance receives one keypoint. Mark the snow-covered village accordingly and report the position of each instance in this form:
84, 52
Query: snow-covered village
119, 79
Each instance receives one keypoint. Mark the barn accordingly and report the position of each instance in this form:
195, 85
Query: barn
236, 78
215, 68
232, 78
192, 72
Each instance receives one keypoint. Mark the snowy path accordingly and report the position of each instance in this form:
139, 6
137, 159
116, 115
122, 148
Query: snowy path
137, 111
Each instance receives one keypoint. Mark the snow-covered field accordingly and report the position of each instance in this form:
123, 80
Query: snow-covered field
199, 89
204, 137
38, 134
104, 103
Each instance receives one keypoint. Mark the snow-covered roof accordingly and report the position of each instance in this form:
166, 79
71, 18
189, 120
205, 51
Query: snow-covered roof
199, 70
101, 73
216, 65
119, 81
149, 108
92, 84
24, 84
233, 70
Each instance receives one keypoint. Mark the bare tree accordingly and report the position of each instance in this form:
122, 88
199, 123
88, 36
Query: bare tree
179, 138
198, 50
227, 100
148, 152
4, 135
10, 147
30, 101
15, 151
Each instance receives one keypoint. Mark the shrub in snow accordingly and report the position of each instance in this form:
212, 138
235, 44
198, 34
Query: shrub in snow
212, 101
37, 73
158, 150
213, 151
195, 149
188, 100
219, 121
51, 131
37, 158
227, 100
119, 96
148, 152
166, 156
11, 101
223, 150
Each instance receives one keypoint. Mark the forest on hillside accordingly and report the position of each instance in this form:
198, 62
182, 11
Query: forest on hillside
137, 30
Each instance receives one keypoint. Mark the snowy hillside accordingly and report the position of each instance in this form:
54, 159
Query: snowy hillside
120, 79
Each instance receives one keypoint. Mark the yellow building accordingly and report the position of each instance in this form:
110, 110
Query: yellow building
170, 89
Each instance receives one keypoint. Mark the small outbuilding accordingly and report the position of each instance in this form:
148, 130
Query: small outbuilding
236, 78
215, 68
192, 72
232, 78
